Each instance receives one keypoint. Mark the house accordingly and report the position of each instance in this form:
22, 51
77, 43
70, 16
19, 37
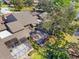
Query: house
14, 36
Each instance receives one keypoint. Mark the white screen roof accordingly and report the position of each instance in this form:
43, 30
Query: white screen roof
4, 34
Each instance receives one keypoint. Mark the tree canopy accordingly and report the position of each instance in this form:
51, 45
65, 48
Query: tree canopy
60, 16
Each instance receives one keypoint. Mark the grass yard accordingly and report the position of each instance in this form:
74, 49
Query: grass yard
36, 55
23, 9
27, 8
4, 5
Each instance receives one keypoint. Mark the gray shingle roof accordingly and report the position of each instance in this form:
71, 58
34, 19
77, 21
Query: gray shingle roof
2, 27
25, 18
15, 26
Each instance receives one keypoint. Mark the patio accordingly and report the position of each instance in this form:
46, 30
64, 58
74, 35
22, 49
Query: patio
39, 36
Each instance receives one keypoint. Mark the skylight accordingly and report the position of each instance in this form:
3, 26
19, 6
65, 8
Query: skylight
4, 34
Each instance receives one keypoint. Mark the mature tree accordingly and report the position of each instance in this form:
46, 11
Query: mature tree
48, 5
0, 5
53, 51
45, 5
61, 18
28, 2
17, 4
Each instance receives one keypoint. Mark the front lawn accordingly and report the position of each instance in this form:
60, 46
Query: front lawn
27, 8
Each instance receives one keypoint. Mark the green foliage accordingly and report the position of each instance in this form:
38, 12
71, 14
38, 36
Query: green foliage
55, 52
49, 5
18, 5
0, 4
61, 17
36, 55
28, 2
60, 22
45, 5
47, 25
34, 44
50, 51
61, 2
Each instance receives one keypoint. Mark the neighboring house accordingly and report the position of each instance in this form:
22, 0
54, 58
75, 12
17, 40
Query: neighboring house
14, 36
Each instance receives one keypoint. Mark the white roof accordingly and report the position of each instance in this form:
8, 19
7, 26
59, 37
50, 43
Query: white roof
19, 51
4, 34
